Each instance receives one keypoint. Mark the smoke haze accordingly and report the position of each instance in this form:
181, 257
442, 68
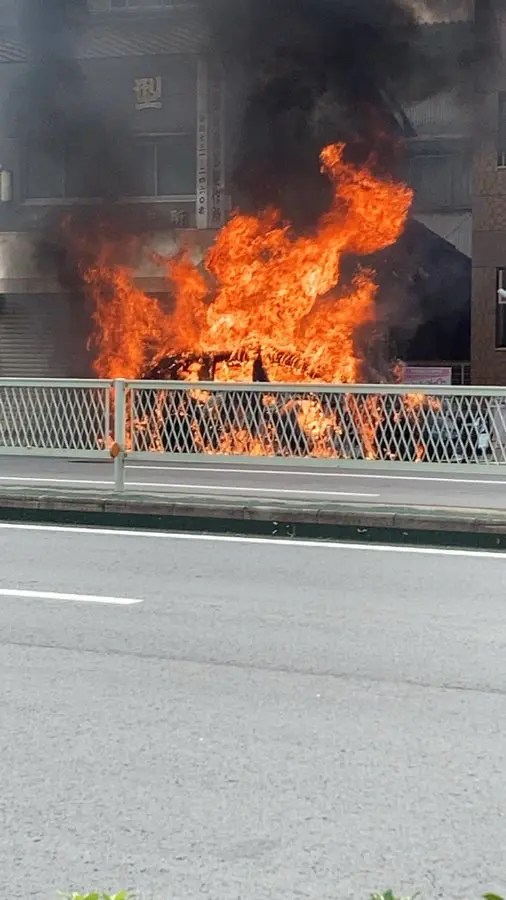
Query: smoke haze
301, 73
317, 71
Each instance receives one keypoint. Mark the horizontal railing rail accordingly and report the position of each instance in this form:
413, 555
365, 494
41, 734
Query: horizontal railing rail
383, 424
323, 388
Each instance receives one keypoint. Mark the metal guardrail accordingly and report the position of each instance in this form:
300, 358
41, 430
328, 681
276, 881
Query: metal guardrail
356, 423
387, 423
54, 417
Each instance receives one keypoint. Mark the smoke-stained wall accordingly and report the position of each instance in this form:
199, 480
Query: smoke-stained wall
153, 97
488, 345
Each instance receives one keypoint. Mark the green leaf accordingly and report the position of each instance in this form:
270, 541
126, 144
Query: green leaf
389, 895
121, 895
491, 897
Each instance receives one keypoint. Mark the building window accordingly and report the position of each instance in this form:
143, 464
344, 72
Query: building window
153, 167
501, 146
44, 173
500, 310
441, 181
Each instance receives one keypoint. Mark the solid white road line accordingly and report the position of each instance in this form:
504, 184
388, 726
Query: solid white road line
199, 487
281, 472
55, 595
246, 539
311, 473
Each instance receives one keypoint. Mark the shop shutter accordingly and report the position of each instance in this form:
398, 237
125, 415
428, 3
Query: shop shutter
38, 337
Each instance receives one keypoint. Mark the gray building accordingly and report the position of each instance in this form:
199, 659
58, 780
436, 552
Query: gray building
148, 76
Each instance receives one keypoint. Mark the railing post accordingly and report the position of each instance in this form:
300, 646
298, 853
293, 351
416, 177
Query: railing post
119, 433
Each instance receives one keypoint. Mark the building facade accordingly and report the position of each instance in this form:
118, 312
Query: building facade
148, 74
488, 350
147, 68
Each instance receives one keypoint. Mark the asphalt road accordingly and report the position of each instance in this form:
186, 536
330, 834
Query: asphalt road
462, 488
238, 718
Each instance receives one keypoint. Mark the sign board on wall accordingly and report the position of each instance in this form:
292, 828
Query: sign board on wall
148, 92
217, 148
202, 216
150, 95
210, 188
427, 375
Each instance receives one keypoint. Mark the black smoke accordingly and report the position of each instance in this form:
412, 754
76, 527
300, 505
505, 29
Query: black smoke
311, 72
58, 114
300, 74
56, 110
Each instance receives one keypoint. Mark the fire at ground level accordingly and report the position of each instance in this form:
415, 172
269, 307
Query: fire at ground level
269, 305
286, 301
302, 423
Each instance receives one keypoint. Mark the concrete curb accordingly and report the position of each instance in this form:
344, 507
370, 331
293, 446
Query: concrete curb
264, 517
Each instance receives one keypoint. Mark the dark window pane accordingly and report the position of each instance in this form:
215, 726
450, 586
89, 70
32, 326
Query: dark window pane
139, 166
79, 180
44, 173
176, 165
98, 170
441, 181
500, 338
500, 318
90, 172
431, 180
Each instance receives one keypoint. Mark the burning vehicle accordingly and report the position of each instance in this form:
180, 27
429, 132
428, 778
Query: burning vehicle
268, 305
262, 287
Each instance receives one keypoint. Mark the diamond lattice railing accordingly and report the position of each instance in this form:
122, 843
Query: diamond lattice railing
342, 423
54, 417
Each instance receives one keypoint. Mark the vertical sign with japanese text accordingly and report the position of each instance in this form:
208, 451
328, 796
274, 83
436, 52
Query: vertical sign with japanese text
217, 147
202, 212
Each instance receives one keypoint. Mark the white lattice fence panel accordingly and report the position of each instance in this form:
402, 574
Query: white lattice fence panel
395, 425
55, 417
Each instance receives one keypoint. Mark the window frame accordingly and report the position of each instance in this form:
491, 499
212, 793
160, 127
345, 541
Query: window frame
153, 140
500, 309
458, 163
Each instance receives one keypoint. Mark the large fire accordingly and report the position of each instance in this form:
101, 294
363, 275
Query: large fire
266, 305
262, 292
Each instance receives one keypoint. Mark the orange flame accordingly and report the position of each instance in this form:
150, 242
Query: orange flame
261, 287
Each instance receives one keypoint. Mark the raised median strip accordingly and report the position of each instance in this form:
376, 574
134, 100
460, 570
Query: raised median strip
268, 517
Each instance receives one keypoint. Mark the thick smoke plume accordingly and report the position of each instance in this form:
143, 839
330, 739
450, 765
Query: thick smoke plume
307, 72
57, 110
317, 71
304, 73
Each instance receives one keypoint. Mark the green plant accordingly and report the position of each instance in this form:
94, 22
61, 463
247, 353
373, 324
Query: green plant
96, 895
389, 895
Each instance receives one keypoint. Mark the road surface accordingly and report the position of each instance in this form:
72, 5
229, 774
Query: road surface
462, 488
198, 716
